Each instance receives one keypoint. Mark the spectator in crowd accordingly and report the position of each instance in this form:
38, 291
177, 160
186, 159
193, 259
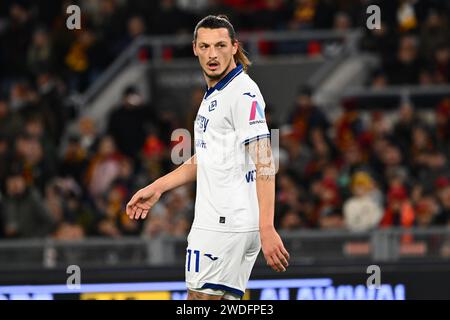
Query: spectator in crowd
349, 126
306, 115
103, 168
16, 39
38, 167
291, 220
88, 135
323, 154
381, 41
363, 211
180, 211
4, 159
434, 32
270, 14
34, 128
299, 155
442, 190
173, 216
399, 210
386, 159
294, 211
153, 158
59, 197
427, 162
40, 53
169, 19
22, 98
83, 59
427, 211
136, 27
441, 64
405, 68
342, 21
407, 16
24, 213
112, 222
110, 20
52, 110
10, 122
155, 225
74, 160
127, 123
442, 116
303, 14
329, 203
403, 127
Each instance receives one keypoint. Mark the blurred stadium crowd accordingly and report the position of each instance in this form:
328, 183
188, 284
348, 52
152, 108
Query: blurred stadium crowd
355, 173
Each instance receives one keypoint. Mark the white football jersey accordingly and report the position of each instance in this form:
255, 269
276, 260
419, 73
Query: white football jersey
230, 116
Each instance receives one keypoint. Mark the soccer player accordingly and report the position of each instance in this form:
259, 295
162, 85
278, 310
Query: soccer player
234, 170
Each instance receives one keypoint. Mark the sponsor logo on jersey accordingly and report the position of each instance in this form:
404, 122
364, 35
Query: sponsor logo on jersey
256, 113
249, 94
201, 122
199, 143
250, 176
212, 106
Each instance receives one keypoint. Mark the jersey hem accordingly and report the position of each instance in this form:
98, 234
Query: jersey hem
225, 230
218, 285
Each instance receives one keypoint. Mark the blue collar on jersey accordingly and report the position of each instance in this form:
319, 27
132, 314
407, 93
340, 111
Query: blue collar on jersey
225, 80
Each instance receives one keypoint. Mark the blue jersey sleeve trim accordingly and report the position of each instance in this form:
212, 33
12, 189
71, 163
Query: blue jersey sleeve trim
222, 287
259, 137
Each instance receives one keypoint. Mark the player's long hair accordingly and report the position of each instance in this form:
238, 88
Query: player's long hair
222, 21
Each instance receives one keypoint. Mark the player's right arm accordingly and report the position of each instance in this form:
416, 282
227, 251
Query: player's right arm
143, 200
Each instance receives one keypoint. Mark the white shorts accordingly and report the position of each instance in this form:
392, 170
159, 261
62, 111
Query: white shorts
220, 263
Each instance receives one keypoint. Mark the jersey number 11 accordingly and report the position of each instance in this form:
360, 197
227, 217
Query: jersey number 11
197, 260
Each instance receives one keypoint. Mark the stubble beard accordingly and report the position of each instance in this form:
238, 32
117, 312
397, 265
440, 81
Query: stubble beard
219, 76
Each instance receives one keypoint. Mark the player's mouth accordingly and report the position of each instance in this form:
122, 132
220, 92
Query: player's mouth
213, 66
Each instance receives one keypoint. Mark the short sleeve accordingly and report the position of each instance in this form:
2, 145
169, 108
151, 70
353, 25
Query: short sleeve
249, 118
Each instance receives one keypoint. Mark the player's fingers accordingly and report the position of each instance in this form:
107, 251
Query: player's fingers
136, 198
130, 206
285, 253
278, 263
272, 264
282, 259
131, 203
133, 212
144, 213
138, 213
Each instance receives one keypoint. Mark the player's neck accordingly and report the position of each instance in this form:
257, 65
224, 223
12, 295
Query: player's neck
212, 82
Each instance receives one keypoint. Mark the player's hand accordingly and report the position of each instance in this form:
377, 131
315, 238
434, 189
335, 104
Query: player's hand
273, 249
141, 203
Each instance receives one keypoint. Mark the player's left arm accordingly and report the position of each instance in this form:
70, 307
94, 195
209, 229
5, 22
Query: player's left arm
273, 249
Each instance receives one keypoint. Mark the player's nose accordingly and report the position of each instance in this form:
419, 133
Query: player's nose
212, 53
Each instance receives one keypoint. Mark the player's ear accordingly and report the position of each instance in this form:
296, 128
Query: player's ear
194, 48
235, 47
